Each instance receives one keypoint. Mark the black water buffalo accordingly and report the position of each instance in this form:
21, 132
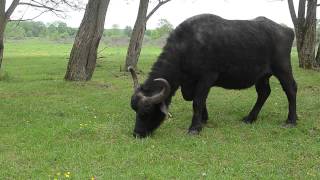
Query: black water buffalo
206, 51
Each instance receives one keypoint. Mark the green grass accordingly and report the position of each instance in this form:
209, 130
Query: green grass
49, 127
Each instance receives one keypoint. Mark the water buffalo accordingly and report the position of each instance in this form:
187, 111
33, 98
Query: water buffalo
206, 51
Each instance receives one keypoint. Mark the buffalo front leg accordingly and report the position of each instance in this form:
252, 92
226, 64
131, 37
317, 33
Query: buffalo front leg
199, 104
263, 91
205, 116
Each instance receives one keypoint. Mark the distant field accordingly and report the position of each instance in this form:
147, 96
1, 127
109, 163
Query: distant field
52, 129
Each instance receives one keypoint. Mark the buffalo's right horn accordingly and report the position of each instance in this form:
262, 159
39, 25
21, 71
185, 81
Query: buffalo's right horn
134, 77
162, 95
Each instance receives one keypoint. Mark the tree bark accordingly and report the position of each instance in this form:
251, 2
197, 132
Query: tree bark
83, 55
307, 49
4, 17
317, 60
138, 31
137, 35
305, 31
2, 28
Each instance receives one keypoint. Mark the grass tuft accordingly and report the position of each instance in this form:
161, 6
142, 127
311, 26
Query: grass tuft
4, 76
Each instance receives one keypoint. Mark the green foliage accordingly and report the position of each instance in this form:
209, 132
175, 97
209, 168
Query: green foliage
128, 31
163, 29
24, 29
53, 129
13, 31
115, 31
60, 31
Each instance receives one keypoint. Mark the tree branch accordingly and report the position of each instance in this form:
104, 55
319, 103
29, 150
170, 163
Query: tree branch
11, 8
30, 19
40, 6
2, 9
156, 8
293, 13
301, 11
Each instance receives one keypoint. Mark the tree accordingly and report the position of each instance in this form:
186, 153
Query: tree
4, 18
13, 31
138, 32
305, 31
62, 27
114, 31
128, 31
163, 29
83, 55
46, 6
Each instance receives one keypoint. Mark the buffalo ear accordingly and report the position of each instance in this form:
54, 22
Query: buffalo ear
164, 108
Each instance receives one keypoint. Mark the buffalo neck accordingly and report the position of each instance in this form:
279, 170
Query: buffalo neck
166, 68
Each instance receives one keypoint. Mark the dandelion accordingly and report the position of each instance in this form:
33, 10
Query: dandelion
93, 178
67, 174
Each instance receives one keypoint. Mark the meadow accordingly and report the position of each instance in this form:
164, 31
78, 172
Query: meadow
53, 129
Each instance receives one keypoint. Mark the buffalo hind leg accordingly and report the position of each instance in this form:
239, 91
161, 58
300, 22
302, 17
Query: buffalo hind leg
290, 88
199, 103
263, 91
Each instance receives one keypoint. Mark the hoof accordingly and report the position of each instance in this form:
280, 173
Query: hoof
247, 120
193, 132
288, 125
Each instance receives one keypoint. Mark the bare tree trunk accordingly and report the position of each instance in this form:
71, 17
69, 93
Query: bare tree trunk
2, 28
317, 61
139, 29
305, 30
83, 55
4, 17
137, 35
307, 50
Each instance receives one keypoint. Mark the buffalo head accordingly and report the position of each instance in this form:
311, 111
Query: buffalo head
149, 105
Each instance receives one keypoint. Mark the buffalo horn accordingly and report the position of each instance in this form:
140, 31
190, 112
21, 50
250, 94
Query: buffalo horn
162, 95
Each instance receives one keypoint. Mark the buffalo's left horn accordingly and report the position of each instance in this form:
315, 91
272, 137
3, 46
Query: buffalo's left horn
134, 77
162, 95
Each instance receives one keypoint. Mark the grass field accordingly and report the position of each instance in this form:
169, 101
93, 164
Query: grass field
52, 129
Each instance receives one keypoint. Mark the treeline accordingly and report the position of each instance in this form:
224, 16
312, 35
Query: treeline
28, 29
59, 31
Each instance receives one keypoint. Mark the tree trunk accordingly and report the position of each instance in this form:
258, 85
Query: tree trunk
308, 44
317, 61
83, 55
305, 30
137, 35
2, 28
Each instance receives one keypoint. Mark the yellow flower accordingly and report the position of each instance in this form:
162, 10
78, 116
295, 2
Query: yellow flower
67, 174
92, 178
